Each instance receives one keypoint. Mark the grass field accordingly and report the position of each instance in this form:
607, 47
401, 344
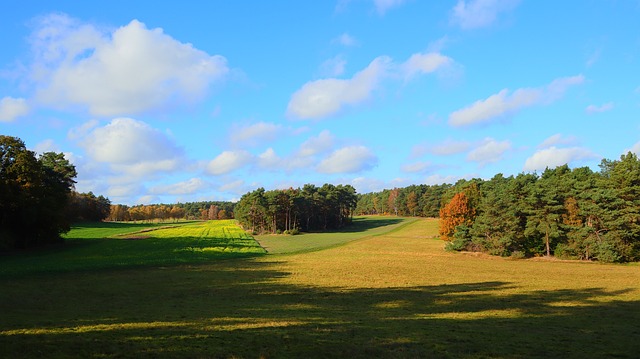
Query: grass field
360, 228
120, 245
392, 295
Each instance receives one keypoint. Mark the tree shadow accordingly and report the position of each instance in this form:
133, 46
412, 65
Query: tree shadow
246, 308
360, 224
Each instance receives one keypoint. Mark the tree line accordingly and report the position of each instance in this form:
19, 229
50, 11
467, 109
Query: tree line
568, 213
309, 208
415, 200
205, 210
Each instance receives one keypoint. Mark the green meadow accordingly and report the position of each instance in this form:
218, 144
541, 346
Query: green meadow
120, 245
385, 288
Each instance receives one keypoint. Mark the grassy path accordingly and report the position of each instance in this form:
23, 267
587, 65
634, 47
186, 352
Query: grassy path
362, 227
393, 295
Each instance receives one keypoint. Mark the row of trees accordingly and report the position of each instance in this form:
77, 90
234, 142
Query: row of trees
570, 213
309, 208
87, 207
415, 200
34, 194
193, 210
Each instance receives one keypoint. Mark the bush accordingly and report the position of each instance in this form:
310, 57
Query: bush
606, 252
294, 232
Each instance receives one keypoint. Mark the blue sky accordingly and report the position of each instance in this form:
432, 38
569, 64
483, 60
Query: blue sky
164, 102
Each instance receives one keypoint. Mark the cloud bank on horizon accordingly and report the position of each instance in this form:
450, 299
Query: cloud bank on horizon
207, 103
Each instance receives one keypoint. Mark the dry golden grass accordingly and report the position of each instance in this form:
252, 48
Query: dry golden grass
395, 295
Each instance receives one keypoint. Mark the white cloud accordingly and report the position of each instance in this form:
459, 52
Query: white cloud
438, 179
47, 145
450, 147
11, 108
558, 139
229, 161
316, 145
238, 187
269, 159
129, 70
424, 63
326, 97
419, 167
348, 160
366, 185
190, 186
474, 14
592, 109
254, 134
345, 40
489, 151
382, 6
127, 141
333, 67
553, 157
132, 147
82, 130
504, 104
635, 149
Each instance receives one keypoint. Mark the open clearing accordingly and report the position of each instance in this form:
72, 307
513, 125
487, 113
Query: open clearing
395, 294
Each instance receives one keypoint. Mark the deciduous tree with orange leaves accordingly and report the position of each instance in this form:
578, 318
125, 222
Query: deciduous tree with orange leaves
457, 212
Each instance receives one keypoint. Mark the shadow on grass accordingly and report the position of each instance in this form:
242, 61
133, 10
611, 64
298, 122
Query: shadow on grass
87, 254
363, 224
243, 308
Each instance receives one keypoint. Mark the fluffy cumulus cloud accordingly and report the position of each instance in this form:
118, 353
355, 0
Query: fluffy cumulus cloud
132, 147
449, 147
592, 109
424, 63
506, 103
318, 144
229, 161
350, 159
420, 167
558, 139
334, 66
191, 186
257, 133
121, 72
474, 14
553, 157
325, 97
269, 159
11, 108
489, 151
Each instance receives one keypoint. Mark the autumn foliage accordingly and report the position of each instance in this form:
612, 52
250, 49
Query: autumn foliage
457, 212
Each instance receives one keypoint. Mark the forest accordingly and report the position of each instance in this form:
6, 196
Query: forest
309, 208
204, 210
567, 213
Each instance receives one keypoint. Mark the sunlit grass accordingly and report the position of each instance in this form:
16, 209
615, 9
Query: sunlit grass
361, 227
395, 295
121, 245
